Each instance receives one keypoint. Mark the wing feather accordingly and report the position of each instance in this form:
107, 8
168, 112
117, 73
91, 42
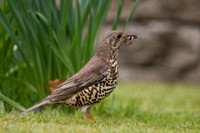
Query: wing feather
92, 73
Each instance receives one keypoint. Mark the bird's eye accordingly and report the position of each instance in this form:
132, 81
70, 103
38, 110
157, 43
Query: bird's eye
118, 36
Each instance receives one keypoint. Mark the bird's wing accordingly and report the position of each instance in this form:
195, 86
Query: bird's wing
93, 72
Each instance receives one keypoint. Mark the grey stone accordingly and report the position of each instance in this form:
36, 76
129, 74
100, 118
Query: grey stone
168, 43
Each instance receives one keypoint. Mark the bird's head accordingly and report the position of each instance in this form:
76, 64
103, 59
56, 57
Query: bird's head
116, 38
113, 41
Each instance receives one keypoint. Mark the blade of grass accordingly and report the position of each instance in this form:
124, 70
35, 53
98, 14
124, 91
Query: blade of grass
2, 108
131, 13
11, 102
119, 9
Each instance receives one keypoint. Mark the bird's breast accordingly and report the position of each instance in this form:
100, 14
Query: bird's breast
97, 92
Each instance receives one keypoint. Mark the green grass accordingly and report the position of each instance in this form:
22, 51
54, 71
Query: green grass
139, 107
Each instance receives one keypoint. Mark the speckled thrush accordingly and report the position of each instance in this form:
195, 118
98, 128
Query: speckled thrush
95, 81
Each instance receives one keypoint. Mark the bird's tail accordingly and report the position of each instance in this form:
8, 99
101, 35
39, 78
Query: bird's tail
39, 104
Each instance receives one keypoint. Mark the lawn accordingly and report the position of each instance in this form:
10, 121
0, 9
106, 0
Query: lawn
138, 107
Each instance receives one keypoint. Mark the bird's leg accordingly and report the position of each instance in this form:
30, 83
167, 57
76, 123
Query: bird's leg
85, 118
92, 117
89, 112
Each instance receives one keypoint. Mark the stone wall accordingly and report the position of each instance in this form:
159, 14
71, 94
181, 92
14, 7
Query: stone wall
168, 44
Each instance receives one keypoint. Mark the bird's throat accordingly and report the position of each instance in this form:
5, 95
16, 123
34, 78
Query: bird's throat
113, 55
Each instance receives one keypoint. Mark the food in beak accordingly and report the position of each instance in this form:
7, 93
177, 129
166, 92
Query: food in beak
129, 39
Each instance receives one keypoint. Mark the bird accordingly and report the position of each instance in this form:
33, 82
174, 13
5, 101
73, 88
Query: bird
95, 81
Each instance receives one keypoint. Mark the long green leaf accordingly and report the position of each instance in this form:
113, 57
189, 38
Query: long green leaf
11, 102
119, 9
2, 108
131, 13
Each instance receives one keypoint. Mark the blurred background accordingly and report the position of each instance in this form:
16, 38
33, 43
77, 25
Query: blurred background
42, 43
168, 44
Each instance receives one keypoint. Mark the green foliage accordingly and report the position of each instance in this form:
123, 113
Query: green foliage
11, 102
139, 107
42, 40
119, 9
131, 13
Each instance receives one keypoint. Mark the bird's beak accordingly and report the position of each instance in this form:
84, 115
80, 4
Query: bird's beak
129, 39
